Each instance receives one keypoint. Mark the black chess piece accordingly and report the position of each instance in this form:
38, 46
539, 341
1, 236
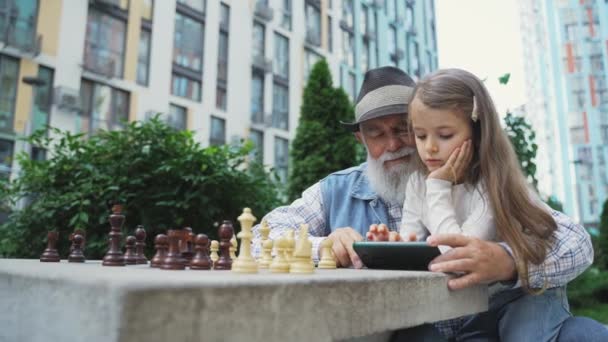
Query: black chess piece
225, 233
76, 254
140, 244
50, 254
161, 243
114, 256
130, 256
201, 260
173, 260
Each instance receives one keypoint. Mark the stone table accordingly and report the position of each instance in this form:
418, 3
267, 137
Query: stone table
89, 302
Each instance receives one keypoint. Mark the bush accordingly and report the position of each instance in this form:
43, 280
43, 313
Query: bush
164, 178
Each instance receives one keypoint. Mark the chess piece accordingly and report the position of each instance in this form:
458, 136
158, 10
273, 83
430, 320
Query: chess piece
201, 260
233, 247
224, 262
114, 256
161, 243
327, 260
214, 248
279, 264
173, 259
50, 254
84, 238
130, 256
245, 263
140, 244
266, 258
301, 257
290, 246
187, 240
76, 249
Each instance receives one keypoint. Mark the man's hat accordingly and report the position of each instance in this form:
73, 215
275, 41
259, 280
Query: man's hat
385, 91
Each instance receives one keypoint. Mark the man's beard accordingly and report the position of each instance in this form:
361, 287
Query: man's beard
390, 183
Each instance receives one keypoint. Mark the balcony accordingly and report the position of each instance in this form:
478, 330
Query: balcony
280, 119
263, 11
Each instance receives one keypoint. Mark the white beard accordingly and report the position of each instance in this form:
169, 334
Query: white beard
390, 184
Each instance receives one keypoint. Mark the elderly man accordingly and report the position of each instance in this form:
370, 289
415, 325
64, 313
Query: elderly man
345, 204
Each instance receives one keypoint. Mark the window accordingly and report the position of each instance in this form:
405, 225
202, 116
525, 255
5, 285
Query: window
222, 60
104, 107
6, 158
348, 53
18, 20
409, 17
104, 47
185, 87
415, 60
198, 5
177, 117
281, 157
310, 59
9, 73
218, 131
257, 97
281, 56
313, 24
392, 45
188, 43
43, 99
257, 137
143, 56
280, 104
330, 35
188, 52
285, 12
348, 13
38, 154
363, 20
259, 41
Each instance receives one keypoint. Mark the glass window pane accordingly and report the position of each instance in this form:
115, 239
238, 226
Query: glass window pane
18, 23
104, 44
185, 87
43, 100
257, 137
143, 57
9, 73
257, 98
178, 117
281, 56
188, 42
6, 158
258, 39
218, 131
281, 157
280, 103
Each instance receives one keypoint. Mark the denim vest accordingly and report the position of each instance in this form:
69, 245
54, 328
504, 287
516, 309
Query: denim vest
349, 201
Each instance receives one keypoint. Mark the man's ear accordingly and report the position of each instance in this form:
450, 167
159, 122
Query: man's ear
358, 137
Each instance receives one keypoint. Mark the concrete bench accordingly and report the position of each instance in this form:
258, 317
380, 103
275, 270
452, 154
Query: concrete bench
88, 302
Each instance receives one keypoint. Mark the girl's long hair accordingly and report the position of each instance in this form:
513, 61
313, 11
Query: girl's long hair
520, 221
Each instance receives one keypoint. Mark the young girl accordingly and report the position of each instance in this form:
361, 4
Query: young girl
468, 181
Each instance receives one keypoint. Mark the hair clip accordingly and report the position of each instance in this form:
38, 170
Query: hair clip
475, 113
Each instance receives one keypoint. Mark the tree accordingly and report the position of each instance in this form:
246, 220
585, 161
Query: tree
163, 177
603, 238
321, 145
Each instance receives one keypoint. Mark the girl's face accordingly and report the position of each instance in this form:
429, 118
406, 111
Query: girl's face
438, 132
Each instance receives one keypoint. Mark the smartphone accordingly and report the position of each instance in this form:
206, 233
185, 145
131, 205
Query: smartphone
412, 256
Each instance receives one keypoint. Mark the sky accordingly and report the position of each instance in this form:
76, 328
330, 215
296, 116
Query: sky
483, 37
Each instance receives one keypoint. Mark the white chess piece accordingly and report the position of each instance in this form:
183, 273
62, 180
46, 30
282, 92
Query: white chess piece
327, 260
245, 263
301, 260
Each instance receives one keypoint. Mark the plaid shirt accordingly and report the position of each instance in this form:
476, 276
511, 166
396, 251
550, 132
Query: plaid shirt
569, 256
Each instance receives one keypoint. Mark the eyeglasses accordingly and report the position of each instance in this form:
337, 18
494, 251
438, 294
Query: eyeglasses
376, 134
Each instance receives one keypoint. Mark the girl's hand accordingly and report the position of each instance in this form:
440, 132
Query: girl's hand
455, 169
380, 232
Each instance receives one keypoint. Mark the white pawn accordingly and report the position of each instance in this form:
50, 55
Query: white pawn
327, 260
215, 247
266, 258
279, 263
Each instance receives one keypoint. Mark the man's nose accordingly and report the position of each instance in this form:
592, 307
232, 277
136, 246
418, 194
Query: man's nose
394, 143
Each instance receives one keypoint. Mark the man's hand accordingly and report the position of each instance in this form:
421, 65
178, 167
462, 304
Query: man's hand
455, 169
343, 239
482, 262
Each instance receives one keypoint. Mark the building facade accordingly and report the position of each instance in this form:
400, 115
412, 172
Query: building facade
566, 54
227, 70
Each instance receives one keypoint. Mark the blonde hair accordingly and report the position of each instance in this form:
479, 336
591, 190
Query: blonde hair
520, 221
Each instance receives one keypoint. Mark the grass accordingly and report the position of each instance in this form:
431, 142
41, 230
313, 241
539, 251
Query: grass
598, 312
